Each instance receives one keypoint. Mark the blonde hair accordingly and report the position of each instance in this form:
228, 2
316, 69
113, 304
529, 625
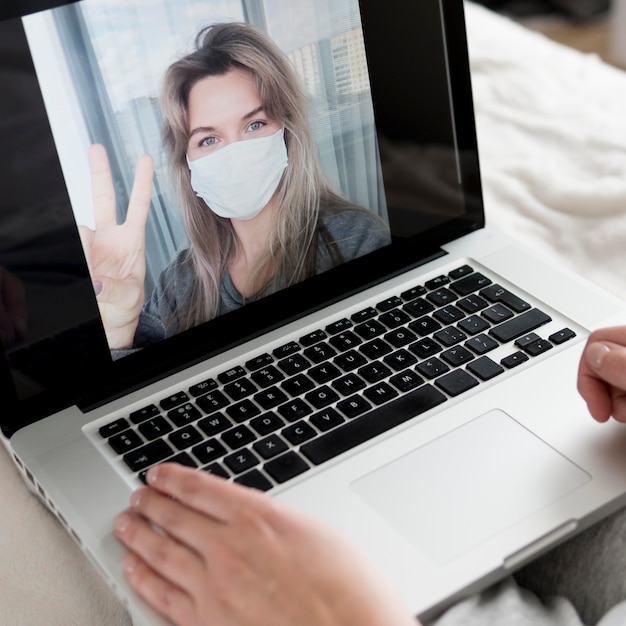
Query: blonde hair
292, 248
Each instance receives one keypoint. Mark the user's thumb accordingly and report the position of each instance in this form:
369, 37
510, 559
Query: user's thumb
608, 361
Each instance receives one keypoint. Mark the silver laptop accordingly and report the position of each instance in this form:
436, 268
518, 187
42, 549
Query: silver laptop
419, 396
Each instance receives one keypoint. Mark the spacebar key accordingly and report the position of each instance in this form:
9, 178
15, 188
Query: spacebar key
372, 424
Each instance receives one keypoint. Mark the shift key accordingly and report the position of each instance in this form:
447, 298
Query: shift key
520, 325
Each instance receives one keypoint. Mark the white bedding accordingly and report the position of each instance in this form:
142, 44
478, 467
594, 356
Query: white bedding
552, 139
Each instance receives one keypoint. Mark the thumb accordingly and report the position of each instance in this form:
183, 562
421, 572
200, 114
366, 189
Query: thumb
607, 360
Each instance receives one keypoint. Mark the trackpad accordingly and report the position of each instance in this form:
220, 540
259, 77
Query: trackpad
461, 489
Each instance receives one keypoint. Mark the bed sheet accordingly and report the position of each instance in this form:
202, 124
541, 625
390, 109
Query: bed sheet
552, 140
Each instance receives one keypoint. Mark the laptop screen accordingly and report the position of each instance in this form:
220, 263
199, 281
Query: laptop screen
299, 152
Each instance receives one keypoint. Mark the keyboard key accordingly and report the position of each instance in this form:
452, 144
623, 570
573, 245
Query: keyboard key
293, 364
380, 393
320, 352
184, 414
514, 360
240, 389
400, 337
241, 461
267, 376
270, 446
468, 284
254, 479
394, 319
388, 304
435, 283
376, 422
345, 341
125, 441
113, 428
460, 272
405, 381
298, 385
370, 330
214, 424
285, 350
174, 400
324, 373
338, 326
266, 424
212, 401
425, 348
413, 293
258, 362
373, 372
286, 467
441, 297
147, 455
538, 347
182, 458
354, 406
520, 325
204, 387
496, 293
363, 315
270, 398
298, 433
185, 437
156, 427
450, 336
375, 349
481, 344
527, 339
399, 360
295, 410
485, 368
312, 338
448, 314
456, 382
562, 336
321, 397
348, 384
419, 307
238, 436
350, 361
497, 313
432, 368
474, 325
243, 411
208, 451
232, 374
472, 304
325, 420
144, 414
425, 326
457, 356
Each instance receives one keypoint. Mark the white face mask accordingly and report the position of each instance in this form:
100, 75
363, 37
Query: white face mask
238, 180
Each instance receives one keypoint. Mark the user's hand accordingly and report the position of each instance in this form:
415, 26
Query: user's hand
602, 374
116, 252
231, 555
13, 309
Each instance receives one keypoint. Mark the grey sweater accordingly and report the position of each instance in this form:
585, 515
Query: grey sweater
354, 233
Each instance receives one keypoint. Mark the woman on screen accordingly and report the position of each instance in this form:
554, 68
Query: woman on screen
256, 206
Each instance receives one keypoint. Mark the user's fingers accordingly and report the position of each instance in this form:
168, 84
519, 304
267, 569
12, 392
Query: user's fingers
176, 562
102, 188
141, 194
166, 598
203, 492
602, 374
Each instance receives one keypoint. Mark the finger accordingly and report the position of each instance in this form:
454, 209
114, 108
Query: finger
194, 530
602, 376
127, 296
141, 193
166, 598
102, 189
167, 557
203, 492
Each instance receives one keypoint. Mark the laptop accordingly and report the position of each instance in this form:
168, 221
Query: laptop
420, 396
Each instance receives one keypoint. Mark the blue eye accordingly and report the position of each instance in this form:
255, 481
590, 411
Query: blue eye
208, 141
256, 125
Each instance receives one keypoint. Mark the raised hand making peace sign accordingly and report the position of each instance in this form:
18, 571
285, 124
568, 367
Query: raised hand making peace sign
116, 252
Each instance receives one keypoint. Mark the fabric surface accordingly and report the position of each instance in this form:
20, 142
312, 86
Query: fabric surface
552, 139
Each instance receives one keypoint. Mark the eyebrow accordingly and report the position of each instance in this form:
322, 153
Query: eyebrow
210, 129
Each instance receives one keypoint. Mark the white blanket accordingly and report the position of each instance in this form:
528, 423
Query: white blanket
552, 138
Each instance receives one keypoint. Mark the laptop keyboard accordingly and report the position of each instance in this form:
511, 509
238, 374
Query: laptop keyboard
283, 412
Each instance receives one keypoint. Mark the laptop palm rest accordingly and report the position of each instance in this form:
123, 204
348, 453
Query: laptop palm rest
468, 485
